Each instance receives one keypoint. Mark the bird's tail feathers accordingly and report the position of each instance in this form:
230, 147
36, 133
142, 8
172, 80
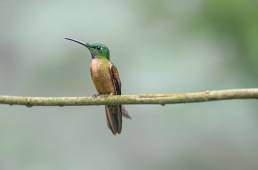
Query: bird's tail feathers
114, 118
114, 115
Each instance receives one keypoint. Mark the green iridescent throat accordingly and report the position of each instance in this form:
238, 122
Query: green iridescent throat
97, 50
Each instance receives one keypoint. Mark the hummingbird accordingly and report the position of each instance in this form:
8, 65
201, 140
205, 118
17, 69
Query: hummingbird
106, 79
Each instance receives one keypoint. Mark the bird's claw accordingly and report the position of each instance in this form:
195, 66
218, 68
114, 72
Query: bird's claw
95, 95
102, 95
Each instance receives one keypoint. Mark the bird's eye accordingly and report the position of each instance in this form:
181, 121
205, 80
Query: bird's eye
99, 47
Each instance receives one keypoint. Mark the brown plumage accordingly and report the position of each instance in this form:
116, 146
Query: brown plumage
106, 79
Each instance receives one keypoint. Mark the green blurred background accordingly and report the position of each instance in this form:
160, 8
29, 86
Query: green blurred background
159, 46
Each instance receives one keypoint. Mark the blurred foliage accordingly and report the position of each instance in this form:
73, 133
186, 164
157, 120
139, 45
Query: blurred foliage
234, 22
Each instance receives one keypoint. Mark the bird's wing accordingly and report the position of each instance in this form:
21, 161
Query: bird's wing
114, 112
115, 78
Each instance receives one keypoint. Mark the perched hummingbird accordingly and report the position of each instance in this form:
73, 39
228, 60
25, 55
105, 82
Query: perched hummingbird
107, 82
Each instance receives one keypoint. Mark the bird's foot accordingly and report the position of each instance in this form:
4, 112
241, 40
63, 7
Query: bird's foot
102, 95
95, 95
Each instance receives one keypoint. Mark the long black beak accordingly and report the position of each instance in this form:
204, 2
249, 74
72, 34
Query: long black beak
85, 45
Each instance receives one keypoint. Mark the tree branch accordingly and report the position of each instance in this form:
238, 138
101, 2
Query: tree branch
161, 99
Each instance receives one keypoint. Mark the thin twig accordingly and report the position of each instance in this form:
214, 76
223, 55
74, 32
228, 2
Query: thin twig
160, 99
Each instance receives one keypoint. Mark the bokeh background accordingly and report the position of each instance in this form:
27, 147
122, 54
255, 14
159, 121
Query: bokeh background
159, 46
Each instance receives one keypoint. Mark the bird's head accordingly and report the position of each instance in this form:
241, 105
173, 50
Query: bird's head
97, 50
